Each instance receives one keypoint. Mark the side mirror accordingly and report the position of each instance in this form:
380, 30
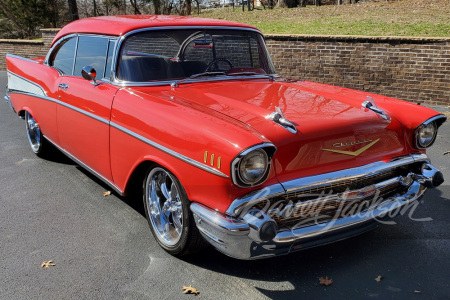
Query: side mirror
89, 73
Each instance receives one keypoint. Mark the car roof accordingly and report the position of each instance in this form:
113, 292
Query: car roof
120, 25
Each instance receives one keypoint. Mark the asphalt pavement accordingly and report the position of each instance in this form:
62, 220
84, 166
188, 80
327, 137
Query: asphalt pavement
102, 247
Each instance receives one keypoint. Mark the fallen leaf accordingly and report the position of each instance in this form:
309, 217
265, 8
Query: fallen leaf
378, 279
107, 193
325, 281
47, 264
190, 290
417, 292
445, 153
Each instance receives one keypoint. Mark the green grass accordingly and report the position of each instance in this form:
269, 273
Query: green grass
429, 18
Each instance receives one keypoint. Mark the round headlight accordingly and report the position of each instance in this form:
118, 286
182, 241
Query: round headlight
425, 134
253, 167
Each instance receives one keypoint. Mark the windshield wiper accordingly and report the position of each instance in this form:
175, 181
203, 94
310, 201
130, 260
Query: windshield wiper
250, 74
177, 83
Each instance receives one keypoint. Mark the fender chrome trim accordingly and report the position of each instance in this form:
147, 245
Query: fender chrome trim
129, 132
169, 151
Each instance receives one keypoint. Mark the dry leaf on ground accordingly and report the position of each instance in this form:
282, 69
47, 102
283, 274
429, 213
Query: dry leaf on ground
47, 264
445, 153
190, 290
107, 193
325, 281
378, 279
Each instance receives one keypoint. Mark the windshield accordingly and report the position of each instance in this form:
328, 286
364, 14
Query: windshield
158, 55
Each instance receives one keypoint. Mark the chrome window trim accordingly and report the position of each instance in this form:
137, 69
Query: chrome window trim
299, 184
121, 83
75, 55
69, 36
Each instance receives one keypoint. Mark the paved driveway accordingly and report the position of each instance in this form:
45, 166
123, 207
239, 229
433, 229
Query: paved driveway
103, 248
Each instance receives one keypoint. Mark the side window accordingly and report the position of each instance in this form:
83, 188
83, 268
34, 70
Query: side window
63, 60
91, 51
111, 46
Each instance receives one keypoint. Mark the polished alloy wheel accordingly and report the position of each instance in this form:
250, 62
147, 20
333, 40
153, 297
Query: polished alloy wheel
34, 133
164, 206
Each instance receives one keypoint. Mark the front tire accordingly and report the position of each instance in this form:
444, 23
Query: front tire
168, 214
36, 139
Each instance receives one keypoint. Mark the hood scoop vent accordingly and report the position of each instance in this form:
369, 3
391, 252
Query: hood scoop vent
278, 117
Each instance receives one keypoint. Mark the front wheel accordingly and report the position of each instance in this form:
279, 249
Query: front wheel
167, 210
35, 138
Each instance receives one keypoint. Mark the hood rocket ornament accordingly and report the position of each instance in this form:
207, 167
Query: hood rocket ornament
278, 117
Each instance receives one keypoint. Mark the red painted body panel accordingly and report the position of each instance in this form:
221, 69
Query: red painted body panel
313, 111
82, 136
119, 25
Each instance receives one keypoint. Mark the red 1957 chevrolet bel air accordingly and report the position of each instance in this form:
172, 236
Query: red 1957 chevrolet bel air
223, 149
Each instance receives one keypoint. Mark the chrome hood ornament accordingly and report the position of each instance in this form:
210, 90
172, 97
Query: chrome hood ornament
370, 104
278, 117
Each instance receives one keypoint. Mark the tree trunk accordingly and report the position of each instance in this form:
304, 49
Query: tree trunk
157, 5
73, 9
187, 8
95, 9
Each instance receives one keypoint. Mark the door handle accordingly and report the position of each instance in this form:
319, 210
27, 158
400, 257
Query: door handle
63, 86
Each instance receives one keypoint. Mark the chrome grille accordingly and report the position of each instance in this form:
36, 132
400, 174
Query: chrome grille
318, 204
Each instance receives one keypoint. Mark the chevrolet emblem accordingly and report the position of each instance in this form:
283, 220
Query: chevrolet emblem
353, 153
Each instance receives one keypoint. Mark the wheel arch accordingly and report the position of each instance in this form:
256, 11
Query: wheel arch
136, 177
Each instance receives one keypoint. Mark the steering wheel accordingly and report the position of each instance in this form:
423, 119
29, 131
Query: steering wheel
215, 61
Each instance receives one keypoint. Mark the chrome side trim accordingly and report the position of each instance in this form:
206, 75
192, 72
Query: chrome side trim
20, 57
169, 151
133, 134
318, 180
85, 166
19, 83
86, 113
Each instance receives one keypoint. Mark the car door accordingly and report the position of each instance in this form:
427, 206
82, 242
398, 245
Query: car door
84, 114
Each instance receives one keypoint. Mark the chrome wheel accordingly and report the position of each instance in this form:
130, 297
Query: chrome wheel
33, 132
164, 206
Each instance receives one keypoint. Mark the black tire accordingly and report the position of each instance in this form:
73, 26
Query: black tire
38, 143
175, 238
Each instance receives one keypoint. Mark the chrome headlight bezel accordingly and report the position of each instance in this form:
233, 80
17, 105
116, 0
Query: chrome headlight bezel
432, 123
266, 150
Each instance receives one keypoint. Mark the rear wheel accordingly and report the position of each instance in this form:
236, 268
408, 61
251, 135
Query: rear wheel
37, 141
168, 214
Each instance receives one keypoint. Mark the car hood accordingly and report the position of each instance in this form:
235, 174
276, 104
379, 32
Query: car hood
327, 118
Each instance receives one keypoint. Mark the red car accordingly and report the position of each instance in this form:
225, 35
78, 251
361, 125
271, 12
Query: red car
191, 112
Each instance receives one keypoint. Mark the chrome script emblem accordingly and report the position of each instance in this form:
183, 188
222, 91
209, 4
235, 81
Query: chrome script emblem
352, 153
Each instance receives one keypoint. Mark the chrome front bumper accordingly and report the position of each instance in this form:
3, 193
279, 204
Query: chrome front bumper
237, 236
